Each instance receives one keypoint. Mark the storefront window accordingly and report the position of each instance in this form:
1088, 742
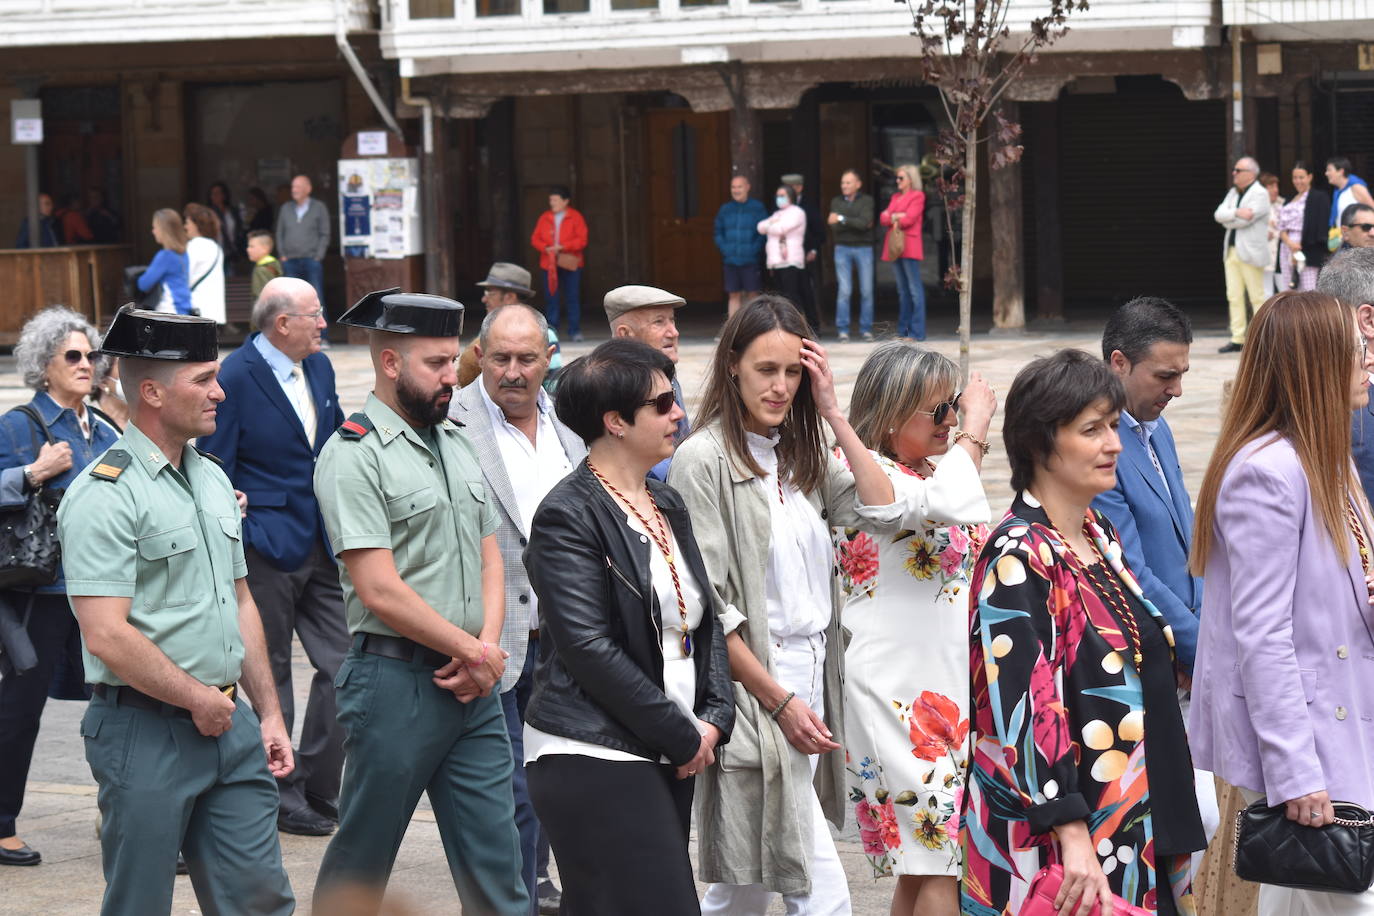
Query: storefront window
703, 2
566, 6
634, 4
431, 9
498, 7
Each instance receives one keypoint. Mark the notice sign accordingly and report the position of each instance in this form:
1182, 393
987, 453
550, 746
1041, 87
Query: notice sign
357, 215
372, 143
26, 121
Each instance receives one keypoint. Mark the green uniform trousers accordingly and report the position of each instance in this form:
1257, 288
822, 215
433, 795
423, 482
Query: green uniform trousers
404, 736
164, 786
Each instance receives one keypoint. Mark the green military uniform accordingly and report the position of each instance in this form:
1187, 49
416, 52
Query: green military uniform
169, 540
382, 483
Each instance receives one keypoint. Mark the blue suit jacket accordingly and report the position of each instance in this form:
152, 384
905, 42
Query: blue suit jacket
1156, 528
1362, 447
259, 439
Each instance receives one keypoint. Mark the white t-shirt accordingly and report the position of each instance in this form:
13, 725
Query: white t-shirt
206, 260
679, 671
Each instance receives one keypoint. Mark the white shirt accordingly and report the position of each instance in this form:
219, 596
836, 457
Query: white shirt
1145, 430
679, 671
797, 588
205, 259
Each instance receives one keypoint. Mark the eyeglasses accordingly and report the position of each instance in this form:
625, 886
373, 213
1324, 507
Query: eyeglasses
74, 357
313, 316
1363, 227
1236, 171
942, 409
663, 403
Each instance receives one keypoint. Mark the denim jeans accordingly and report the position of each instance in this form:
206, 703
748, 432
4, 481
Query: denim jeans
513, 703
911, 319
847, 258
569, 293
309, 270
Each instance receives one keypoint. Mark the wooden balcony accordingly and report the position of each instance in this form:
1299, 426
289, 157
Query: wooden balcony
85, 278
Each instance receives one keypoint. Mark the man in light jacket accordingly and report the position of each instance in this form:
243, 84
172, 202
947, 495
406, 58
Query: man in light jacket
1244, 214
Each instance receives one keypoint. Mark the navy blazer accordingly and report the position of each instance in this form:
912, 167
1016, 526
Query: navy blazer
1362, 446
259, 440
1156, 529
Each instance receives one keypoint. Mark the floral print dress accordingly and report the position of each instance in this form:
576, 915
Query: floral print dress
906, 667
1061, 714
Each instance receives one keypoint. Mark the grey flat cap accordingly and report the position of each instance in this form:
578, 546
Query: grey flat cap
628, 298
793, 178
504, 275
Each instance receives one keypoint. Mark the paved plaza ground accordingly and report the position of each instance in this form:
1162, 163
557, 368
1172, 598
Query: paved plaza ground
59, 814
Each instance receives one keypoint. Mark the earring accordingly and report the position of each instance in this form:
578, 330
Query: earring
891, 431
621, 434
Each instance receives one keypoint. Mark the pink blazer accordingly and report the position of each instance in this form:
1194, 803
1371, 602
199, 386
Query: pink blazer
912, 206
1283, 689
785, 229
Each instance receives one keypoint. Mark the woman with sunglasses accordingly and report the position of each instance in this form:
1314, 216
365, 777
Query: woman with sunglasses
632, 685
763, 491
906, 707
55, 358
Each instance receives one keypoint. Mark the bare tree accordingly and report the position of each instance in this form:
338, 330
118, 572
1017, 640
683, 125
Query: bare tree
969, 54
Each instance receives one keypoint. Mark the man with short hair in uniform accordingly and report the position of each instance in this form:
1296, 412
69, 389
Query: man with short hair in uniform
153, 554
408, 513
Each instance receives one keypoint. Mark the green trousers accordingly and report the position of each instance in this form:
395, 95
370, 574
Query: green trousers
405, 736
166, 787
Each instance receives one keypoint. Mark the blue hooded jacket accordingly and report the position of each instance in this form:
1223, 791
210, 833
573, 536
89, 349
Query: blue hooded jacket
737, 231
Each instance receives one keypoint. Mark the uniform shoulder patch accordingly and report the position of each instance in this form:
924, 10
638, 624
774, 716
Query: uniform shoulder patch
212, 457
111, 464
356, 426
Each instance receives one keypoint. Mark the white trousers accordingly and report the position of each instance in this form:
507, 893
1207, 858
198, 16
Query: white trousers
1205, 788
799, 663
1289, 901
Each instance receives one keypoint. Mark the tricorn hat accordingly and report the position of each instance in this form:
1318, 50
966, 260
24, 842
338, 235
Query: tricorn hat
504, 275
144, 334
406, 313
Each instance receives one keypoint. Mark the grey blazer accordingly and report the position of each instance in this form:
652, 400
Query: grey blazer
470, 413
1252, 235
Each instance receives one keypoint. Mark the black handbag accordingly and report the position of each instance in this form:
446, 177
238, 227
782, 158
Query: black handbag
30, 554
1271, 849
144, 299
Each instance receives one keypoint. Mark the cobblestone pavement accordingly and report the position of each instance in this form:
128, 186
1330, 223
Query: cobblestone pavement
59, 814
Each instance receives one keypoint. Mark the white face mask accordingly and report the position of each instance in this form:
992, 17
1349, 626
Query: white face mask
782, 201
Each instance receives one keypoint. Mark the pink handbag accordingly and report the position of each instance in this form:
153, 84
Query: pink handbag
1045, 886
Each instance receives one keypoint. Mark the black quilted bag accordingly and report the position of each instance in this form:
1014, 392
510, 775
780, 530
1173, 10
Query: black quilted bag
30, 554
1271, 849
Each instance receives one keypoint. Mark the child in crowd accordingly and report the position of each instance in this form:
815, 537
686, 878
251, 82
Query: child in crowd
265, 267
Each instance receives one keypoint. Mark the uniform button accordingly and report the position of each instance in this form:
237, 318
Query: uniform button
1342, 652
174, 544
412, 505
523, 542
1340, 713
431, 464
524, 599
825, 514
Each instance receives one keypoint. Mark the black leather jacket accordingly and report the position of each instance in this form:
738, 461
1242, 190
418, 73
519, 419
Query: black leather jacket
599, 676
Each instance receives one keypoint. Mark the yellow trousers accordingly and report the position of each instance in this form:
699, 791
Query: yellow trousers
1241, 280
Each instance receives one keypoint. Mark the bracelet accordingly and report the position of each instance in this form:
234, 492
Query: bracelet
781, 706
481, 658
981, 443
29, 478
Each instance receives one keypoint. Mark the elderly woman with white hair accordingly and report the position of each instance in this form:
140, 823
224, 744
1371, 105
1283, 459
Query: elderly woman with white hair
55, 356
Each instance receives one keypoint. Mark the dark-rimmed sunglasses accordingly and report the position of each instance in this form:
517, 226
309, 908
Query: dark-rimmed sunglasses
1363, 227
942, 409
663, 403
74, 357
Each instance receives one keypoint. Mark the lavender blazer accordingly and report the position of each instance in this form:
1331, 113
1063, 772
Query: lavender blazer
1283, 690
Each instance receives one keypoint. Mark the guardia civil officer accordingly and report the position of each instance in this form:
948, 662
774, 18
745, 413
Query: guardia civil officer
408, 515
153, 554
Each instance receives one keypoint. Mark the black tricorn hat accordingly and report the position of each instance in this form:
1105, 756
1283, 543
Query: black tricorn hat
143, 334
406, 313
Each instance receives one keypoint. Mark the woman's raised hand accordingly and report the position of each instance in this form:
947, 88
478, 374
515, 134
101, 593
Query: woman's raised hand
977, 405
822, 379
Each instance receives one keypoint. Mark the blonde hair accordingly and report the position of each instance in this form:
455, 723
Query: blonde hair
896, 379
1294, 380
173, 230
912, 173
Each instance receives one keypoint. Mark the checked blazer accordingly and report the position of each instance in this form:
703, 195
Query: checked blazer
470, 411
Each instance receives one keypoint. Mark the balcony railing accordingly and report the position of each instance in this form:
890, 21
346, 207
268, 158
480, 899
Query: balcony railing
66, 22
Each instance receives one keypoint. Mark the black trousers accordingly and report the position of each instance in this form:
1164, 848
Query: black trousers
619, 831
52, 629
795, 284
308, 602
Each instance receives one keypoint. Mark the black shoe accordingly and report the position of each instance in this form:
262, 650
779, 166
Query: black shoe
304, 822
181, 865
1231, 347
24, 855
324, 807
550, 898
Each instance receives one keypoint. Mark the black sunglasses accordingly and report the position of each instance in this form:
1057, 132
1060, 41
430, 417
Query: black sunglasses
663, 403
73, 357
1363, 227
942, 409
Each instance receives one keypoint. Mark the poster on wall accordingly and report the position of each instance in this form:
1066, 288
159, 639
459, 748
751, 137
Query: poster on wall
378, 208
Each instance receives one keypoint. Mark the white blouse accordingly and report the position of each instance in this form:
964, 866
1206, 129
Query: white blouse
797, 590
679, 671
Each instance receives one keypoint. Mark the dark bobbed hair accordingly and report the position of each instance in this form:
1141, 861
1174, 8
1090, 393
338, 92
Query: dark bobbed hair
801, 447
1340, 163
618, 375
1045, 396
562, 191
1140, 324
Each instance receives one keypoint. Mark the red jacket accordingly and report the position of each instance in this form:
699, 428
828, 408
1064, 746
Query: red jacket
572, 237
912, 206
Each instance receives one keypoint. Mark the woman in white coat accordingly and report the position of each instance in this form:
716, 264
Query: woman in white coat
207, 262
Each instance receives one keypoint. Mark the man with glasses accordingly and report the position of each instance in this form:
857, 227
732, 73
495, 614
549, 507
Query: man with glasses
1349, 276
1244, 214
1357, 226
280, 407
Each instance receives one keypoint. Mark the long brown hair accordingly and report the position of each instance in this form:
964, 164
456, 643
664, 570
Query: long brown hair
801, 447
172, 228
1294, 380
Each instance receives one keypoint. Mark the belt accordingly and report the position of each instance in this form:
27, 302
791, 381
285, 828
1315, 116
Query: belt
129, 696
400, 648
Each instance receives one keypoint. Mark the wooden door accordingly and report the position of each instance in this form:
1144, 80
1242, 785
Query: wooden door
689, 178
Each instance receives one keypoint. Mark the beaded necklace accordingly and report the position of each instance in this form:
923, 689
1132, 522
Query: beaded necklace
659, 534
1357, 530
1116, 598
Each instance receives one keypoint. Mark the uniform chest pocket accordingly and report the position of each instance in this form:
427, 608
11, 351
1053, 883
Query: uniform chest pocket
165, 570
224, 532
409, 515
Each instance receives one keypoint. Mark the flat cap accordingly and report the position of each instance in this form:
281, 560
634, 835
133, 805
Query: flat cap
624, 299
406, 313
144, 334
513, 277
793, 178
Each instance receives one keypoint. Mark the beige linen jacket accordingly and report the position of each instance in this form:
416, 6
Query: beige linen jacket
752, 828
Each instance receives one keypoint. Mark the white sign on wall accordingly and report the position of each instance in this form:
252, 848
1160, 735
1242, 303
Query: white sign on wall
26, 121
